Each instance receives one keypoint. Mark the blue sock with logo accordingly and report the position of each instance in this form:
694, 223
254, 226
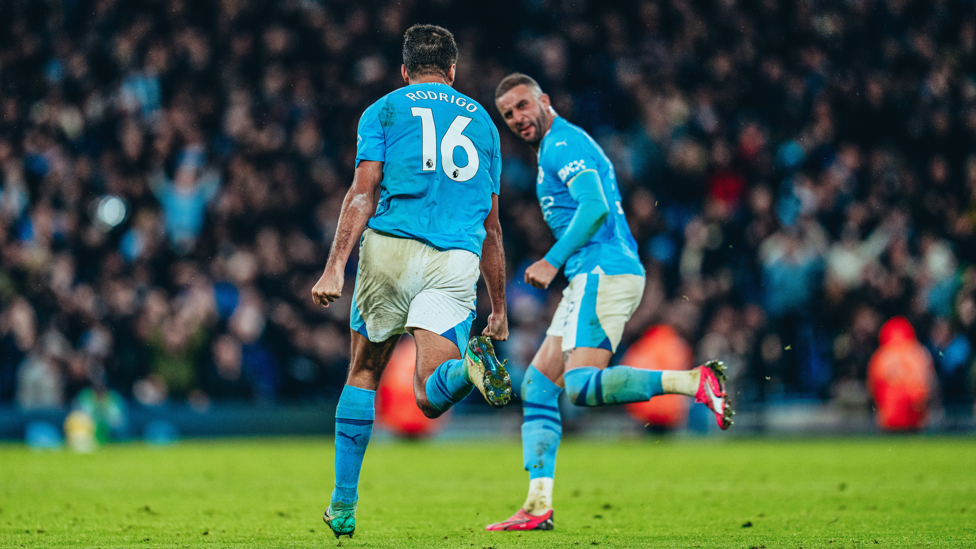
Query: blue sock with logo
542, 427
354, 424
448, 384
591, 386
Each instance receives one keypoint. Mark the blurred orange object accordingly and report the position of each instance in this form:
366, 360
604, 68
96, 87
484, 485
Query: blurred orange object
396, 407
900, 378
660, 348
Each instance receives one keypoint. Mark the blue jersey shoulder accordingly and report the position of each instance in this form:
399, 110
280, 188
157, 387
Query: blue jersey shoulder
567, 151
437, 144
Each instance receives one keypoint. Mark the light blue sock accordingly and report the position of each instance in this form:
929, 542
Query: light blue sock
354, 424
448, 385
542, 428
590, 386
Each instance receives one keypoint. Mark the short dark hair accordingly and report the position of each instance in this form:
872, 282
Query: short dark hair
514, 80
428, 49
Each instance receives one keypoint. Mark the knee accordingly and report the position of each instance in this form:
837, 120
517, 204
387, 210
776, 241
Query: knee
364, 375
429, 411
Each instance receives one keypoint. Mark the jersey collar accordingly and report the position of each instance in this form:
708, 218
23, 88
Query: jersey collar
556, 120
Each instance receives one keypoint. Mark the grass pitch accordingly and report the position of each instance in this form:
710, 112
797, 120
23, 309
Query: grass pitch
882, 492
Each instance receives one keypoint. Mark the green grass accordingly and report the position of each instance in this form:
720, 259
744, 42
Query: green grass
881, 492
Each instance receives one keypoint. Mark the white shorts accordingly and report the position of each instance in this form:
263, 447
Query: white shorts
594, 309
404, 284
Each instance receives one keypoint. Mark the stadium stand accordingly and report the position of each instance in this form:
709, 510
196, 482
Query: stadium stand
171, 172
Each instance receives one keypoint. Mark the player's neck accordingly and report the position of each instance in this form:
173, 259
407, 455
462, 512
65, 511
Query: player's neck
430, 79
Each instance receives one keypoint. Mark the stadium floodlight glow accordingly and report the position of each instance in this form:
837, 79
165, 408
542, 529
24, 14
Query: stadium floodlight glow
111, 211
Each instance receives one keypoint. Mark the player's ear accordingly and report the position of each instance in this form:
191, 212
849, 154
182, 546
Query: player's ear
451, 73
403, 73
544, 99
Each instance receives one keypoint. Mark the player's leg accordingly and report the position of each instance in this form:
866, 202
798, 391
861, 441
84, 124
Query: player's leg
354, 425
440, 317
443, 378
440, 378
602, 304
541, 434
589, 383
381, 298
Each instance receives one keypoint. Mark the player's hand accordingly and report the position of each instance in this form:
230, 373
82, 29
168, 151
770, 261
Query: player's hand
540, 274
328, 288
497, 327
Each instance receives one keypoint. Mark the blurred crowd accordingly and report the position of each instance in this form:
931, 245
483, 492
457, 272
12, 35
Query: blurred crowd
795, 174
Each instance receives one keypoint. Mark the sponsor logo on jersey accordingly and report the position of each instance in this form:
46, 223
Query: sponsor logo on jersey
571, 168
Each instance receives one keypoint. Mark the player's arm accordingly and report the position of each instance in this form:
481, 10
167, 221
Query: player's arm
592, 211
493, 269
358, 206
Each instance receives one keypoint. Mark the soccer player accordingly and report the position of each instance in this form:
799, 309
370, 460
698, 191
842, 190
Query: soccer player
580, 201
425, 191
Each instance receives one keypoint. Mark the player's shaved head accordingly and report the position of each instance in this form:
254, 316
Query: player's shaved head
517, 79
428, 49
524, 107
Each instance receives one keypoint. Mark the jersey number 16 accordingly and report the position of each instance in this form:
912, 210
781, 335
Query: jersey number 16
452, 140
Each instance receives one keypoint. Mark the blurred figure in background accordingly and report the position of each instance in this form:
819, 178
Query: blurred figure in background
663, 349
184, 199
41, 376
901, 378
107, 410
18, 334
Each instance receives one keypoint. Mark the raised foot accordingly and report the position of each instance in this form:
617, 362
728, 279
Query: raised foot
522, 521
342, 523
487, 373
711, 392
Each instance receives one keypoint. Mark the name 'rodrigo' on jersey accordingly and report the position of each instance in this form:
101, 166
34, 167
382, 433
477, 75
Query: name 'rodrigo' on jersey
442, 163
566, 151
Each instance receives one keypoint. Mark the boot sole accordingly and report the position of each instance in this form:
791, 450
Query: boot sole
496, 381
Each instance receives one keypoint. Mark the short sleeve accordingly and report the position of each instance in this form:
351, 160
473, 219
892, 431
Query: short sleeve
495, 172
370, 138
568, 156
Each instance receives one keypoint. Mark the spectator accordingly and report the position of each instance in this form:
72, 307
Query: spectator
901, 378
18, 329
40, 377
798, 170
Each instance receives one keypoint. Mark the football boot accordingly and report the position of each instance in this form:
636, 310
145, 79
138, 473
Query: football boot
711, 392
486, 373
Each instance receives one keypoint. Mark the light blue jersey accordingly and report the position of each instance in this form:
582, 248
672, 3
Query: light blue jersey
442, 163
565, 152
